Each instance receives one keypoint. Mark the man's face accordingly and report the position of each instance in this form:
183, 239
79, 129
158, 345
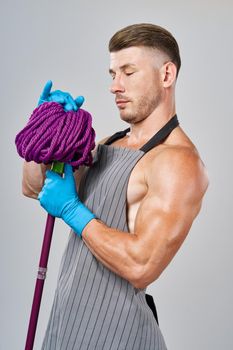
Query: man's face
136, 82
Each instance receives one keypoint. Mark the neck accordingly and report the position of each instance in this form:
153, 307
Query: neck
145, 129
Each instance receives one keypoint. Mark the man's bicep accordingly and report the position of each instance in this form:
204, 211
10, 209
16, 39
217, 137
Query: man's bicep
158, 220
160, 232
159, 213
165, 216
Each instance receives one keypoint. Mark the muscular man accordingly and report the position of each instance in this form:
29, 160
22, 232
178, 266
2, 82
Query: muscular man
140, 197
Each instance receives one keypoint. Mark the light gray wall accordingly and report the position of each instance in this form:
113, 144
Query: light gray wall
66, 41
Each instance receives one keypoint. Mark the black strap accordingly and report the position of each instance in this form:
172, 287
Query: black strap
160, 136
118, 135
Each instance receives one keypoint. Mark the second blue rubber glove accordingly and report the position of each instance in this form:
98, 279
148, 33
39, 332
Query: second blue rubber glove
64, 98
59, 198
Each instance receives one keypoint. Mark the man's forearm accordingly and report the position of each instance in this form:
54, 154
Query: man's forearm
117, 250
140, 261
126, 254
33, 178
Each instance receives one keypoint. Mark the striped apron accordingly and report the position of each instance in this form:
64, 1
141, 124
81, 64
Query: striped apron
95, 309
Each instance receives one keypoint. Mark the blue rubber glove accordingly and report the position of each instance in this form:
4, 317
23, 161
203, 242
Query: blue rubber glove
59, 198
64, 98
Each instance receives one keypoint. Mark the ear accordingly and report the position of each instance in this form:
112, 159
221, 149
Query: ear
168, 74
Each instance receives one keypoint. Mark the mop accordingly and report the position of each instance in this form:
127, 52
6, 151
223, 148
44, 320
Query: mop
55, 136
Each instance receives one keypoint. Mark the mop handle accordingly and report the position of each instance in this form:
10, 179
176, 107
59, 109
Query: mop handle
57, 167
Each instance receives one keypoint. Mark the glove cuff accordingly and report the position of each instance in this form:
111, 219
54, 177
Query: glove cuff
77, 217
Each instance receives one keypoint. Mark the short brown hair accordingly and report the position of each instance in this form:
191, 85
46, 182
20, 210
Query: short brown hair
149, 35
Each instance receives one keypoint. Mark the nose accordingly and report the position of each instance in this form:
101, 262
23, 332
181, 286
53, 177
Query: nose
117, 85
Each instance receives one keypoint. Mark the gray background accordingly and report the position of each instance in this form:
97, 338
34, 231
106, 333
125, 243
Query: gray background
67, 42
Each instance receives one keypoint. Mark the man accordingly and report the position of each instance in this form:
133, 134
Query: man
141, 195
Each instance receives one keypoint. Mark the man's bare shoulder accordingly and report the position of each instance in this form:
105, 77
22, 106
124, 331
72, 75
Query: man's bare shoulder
176, 163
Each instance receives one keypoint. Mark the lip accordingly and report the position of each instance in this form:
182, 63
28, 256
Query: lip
121, 102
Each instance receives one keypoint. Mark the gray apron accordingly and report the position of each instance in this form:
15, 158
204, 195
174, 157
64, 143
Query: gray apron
95, 309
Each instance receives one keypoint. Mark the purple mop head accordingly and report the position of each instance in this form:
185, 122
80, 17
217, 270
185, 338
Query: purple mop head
53, 134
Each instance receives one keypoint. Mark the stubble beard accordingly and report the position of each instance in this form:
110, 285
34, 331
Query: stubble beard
144, 107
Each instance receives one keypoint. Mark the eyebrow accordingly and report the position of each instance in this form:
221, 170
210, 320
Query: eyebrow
125, 66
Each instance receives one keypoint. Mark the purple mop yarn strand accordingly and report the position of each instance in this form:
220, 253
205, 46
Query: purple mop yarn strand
53, 134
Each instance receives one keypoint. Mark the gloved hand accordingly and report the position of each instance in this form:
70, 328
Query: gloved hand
60, 198
64, 98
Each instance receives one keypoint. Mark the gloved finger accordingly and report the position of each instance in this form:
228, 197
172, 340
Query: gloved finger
68, 170
48, 181
46, 91
68, 107
51, 175
79, 101
42, 197
71, 102
55, 97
